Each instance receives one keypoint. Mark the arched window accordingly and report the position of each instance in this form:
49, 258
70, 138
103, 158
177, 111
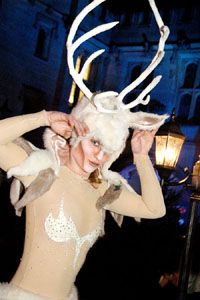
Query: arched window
76, 93
166, 15
190, 75
42, 46
196, 116
136, 71
186, 13
184, 107
129, 98
155, 106
144, 16
128, 18
148, 80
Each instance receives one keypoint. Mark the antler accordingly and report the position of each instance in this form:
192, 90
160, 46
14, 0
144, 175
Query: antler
71, 47
78, 77
164, 32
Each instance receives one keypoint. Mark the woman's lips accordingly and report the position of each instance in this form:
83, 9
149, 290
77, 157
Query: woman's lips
93, 164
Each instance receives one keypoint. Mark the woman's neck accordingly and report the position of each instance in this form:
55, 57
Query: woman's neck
71, 163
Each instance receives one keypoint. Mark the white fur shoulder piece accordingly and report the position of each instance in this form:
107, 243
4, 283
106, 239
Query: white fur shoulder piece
40, 159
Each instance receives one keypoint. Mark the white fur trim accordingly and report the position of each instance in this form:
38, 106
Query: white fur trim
74, 294
38, 160
9, 291
41, 159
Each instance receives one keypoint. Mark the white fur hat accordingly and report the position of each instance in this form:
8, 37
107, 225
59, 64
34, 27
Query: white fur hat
107, 117
112, 129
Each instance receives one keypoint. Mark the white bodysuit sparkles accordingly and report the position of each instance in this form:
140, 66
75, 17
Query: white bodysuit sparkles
63, 229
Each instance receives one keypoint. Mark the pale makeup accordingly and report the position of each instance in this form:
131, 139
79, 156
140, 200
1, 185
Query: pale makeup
86, 157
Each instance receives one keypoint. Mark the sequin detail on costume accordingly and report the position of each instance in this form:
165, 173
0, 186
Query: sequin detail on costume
62, 229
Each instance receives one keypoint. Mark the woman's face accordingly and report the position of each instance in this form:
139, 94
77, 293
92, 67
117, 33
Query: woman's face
87, 156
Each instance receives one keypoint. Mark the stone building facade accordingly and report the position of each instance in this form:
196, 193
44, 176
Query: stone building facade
34, 72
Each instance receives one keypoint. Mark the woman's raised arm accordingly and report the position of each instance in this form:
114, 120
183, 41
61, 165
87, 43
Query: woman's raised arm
150, 204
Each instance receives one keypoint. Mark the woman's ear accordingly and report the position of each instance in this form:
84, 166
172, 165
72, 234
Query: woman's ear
53, 141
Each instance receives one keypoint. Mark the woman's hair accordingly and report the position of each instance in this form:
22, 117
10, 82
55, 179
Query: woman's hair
94, 179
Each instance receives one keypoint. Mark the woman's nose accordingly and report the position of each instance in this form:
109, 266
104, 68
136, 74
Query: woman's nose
100, 155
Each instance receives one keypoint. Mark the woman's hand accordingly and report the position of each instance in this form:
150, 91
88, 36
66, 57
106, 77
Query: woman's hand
142, 141
63, 124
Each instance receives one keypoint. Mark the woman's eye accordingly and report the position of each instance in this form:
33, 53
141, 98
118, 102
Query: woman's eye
96, 143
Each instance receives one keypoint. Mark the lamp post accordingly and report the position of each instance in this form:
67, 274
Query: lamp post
169, 142
186, 256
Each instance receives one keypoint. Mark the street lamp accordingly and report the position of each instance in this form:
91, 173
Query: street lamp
187, 251
169, 142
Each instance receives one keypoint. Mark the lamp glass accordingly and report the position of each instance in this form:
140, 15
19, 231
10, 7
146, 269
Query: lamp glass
168, 148
196, 176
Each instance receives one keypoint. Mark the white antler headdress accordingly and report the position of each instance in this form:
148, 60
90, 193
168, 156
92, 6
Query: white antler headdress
105, 113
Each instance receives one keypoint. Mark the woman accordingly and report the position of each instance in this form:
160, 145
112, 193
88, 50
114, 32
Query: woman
67, 214
65, 221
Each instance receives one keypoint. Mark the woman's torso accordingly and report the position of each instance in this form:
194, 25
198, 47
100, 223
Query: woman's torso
61, 226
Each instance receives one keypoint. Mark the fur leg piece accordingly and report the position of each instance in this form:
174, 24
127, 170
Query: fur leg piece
38, 187
15, 190
38, 160
74, 294
110, 195
24, 144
